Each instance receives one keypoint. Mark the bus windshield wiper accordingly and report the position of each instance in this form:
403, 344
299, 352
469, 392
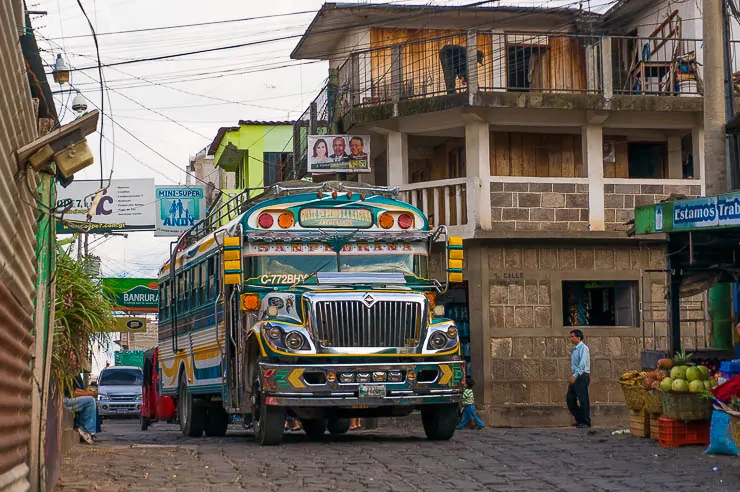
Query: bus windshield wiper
309, 275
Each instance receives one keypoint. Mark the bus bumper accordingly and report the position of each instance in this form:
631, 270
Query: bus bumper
363, 385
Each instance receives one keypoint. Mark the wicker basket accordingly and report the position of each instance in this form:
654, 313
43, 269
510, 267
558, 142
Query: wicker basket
633, 396
735, 424
653, 402
686, 406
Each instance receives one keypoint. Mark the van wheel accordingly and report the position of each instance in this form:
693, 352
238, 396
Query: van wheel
439, 421
338, 426
217, 421
192, 414
268, 419
144, 422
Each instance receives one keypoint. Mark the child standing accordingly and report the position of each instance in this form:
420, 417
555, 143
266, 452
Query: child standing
468, 401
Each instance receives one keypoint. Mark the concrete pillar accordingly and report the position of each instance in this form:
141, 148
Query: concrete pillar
607, 79
472, 61
700, 168
675, 162
477, 275
592, 141
478, 165
715, 144
398, 158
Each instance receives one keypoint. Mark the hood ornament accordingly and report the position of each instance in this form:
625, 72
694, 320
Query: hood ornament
368, 300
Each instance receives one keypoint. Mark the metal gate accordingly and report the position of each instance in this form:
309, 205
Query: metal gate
18, 127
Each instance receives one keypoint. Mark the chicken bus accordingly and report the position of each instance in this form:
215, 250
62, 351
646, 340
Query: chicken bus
314, 302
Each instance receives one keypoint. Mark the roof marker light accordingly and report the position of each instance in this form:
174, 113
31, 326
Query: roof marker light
265, 221
405, 221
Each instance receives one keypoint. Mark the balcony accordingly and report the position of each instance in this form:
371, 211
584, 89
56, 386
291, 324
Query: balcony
556, 70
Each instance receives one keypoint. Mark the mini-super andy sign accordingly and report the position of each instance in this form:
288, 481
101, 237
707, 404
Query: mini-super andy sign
179, 208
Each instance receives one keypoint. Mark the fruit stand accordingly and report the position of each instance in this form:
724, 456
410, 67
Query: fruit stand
671, 403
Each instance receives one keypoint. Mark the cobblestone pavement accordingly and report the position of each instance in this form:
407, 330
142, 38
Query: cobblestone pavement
391, 459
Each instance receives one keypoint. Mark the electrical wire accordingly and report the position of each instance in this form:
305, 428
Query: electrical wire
102, 92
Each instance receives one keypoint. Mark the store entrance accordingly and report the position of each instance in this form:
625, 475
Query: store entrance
455, 301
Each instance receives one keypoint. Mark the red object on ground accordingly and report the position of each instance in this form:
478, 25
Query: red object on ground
153, 406
673, 433
725, 391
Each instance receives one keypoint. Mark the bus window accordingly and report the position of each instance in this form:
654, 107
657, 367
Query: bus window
203, 279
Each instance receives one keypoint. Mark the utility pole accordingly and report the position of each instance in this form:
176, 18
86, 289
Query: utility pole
715, 141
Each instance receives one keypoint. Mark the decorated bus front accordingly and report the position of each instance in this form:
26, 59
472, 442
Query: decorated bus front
343, 318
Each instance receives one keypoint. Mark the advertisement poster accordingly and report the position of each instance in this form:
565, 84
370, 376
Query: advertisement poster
133, 294
178, 209
338, 154
124, 205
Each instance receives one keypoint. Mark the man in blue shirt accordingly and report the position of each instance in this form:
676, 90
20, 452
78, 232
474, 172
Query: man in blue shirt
580, 368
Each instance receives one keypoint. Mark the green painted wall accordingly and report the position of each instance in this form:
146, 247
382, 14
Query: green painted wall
257, 139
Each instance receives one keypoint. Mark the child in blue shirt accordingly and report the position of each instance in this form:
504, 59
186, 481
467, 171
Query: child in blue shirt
468, 401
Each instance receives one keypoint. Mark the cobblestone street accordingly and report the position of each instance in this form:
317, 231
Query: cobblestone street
391, 459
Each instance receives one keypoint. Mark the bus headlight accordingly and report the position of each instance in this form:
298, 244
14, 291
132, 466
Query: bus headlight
438, 340
294, 340
273, 332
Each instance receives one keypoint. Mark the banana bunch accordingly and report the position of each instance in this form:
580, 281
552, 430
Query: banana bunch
632, 378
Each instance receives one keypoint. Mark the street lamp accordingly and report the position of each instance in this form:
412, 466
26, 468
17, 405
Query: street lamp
61, 70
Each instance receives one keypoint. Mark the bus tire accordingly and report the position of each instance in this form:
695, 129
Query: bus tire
314, 428
268, 419
191, 413
338, 426
439, 421
217, 421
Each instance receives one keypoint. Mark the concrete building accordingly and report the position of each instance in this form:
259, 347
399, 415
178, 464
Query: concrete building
202, 170
533, 133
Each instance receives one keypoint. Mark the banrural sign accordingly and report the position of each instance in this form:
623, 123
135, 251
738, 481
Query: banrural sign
702, 213
133, 294
178, 209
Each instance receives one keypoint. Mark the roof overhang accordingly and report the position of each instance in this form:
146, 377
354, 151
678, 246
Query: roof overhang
231, 157
334, 20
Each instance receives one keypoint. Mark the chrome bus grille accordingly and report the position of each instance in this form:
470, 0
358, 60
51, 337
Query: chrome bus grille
352, 323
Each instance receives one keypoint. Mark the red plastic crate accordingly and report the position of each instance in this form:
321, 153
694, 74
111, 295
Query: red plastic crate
674, 433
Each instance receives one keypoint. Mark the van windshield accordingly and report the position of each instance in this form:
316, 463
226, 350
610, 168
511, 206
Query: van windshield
121, 377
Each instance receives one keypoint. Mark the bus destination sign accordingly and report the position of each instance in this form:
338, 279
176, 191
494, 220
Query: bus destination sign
336, 217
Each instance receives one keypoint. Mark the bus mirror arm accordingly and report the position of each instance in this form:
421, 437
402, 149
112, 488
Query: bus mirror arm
442, 286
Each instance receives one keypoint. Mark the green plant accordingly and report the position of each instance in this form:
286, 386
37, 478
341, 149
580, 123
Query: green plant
735, 403
83, 314
681, 358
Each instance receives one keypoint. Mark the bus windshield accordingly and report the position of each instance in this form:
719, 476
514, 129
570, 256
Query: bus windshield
412, 264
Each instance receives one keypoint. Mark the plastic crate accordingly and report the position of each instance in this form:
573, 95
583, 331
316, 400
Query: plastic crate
729, 369
639, 423
654, 427
673, 433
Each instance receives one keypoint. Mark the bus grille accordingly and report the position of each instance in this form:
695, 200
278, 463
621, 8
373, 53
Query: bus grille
383, 324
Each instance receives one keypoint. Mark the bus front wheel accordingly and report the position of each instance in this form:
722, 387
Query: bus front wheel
191, 413
268, 419
439, 421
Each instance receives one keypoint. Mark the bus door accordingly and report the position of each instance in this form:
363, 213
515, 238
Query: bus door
232, 282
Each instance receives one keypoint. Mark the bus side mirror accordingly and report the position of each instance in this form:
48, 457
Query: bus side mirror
232, 260
455, 257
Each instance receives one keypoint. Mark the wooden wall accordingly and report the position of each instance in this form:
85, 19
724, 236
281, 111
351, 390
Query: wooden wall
620, 167
536, 155
420, 65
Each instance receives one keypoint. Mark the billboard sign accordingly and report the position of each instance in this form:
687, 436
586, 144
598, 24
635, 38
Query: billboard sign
125, 205
129, 324
338, 154
178, 209
133, 294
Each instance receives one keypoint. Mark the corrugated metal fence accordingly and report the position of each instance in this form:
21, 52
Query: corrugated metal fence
17, 253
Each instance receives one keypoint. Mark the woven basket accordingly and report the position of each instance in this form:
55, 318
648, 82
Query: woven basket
633, 396
735, 424
653, 402
686, 406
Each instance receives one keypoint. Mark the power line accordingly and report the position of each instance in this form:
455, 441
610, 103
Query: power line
195, 24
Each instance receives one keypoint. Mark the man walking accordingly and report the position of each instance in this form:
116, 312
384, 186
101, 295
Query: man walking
580, 366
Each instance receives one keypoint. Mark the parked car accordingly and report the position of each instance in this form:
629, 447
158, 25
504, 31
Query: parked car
119, 391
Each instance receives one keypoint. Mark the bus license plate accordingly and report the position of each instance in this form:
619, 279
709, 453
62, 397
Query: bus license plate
372, 391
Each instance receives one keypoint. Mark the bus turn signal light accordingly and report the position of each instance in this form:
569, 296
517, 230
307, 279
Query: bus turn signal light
385, 220
285, 220
250, 302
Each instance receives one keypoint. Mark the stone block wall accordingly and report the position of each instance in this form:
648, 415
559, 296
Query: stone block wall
527, 374
620, 200
539, 206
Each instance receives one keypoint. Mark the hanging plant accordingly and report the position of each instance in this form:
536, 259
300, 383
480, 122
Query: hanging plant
83, 315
